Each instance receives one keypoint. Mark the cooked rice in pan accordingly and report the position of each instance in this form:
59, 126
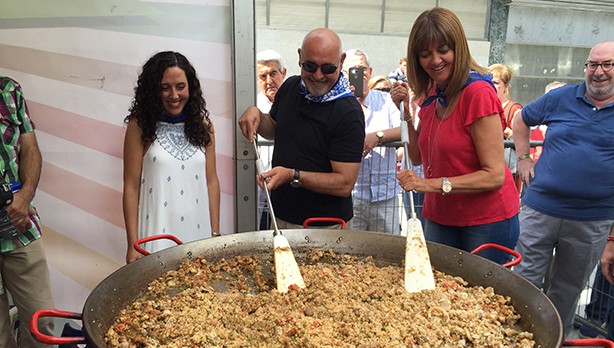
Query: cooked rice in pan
347, 303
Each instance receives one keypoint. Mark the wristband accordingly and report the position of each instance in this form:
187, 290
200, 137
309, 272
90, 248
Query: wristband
520, 158
610, 238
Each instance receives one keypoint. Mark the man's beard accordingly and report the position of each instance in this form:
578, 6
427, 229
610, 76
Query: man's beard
316, 91
602, 93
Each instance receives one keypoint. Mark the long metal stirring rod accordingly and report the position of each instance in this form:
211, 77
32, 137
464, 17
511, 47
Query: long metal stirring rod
405, 142
260, 169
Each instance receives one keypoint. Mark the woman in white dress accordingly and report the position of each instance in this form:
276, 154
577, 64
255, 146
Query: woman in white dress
170, 178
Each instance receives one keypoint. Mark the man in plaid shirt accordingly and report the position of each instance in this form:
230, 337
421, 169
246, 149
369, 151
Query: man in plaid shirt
23, 264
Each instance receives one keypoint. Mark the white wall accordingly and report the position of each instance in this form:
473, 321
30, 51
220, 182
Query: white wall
77, 61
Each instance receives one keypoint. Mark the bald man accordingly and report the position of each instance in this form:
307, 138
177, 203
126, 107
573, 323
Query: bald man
569, 202
318, 128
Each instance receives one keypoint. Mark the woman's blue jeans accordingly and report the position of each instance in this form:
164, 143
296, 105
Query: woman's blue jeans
468, 238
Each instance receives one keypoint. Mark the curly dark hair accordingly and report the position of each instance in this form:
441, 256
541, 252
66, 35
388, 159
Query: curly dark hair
147, 107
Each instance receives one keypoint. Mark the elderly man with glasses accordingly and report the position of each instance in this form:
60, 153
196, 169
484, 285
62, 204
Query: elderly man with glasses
569, 201
319, 130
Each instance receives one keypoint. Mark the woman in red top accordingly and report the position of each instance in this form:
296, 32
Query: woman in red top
501, 77
470, 195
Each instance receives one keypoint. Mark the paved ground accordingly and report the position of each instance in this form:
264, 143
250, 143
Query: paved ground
575, 334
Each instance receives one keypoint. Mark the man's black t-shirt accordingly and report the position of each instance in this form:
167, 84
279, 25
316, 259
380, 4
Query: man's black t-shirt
308, 135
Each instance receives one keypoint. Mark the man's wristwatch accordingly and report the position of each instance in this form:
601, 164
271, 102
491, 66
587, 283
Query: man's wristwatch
295, 181
380, 136
446, 187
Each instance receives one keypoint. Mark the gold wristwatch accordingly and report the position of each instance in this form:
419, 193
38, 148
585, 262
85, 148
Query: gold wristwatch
446, 186
380, 136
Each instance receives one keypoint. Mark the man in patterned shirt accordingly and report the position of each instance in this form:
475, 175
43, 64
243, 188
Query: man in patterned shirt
23, 264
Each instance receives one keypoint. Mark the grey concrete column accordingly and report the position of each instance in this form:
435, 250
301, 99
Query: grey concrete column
244, 96
497, 30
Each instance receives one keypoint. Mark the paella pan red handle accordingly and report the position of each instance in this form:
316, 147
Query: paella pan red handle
327, 219
51, 339
595, 342
137, 244
514, 262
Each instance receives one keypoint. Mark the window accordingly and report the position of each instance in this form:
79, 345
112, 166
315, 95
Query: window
394, 17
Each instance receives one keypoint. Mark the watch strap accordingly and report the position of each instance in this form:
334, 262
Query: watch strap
295, 182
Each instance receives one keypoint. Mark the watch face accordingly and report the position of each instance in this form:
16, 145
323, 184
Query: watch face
446, 186
295, 183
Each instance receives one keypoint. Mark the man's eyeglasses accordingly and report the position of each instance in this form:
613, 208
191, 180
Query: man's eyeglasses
592, 66
383, 89
326, 68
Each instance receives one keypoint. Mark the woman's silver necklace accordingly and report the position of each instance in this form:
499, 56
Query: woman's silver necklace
429, 168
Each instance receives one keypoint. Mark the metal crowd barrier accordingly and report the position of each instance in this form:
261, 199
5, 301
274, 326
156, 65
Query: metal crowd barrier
266, 153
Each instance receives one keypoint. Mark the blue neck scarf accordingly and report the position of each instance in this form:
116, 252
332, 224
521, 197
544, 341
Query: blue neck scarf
169, 119
439, 94
340, 90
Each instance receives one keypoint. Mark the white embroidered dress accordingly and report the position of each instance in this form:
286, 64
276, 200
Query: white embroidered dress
174, 197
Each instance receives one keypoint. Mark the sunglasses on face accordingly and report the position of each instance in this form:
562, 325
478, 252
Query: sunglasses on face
326, 68
383, 89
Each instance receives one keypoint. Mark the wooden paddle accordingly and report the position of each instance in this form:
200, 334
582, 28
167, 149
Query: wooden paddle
286, 268
418, 271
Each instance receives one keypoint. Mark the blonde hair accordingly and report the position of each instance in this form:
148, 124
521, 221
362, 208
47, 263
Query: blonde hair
377, 79
504, 73
554, 85
440, 26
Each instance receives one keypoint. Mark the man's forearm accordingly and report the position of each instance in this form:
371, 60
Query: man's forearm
522, 135
607, 259
338, 183
334, 184
266, 128
30, 162
392, 134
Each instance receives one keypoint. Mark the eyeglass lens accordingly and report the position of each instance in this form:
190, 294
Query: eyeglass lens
311, 67
592, 66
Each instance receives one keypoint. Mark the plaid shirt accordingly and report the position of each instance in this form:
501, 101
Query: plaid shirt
14, 120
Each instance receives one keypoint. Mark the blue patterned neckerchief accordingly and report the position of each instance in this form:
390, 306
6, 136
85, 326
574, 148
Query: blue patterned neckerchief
168, 119
473, 77
340, 90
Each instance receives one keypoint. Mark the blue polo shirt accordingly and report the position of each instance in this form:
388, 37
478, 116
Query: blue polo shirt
574, 176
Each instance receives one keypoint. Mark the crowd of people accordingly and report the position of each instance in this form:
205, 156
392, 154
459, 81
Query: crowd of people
327, 159
461, 113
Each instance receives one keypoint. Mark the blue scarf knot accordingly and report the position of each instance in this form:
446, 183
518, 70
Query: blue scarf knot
340, 90
473, 77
